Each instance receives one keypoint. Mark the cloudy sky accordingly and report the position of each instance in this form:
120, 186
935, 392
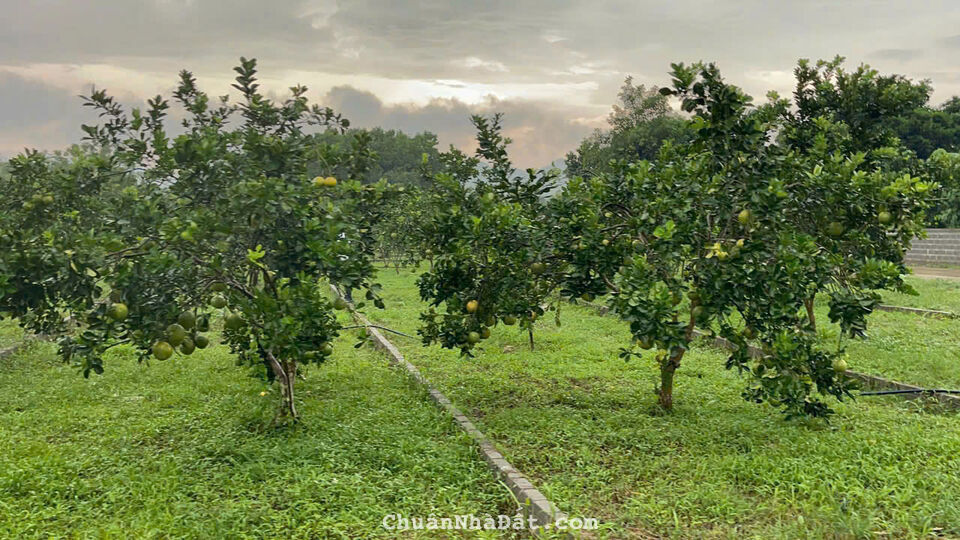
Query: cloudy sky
553, 67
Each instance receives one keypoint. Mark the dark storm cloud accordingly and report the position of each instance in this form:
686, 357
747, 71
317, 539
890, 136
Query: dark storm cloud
70, 31
37, 116
26, 103
952, 42
450, 120
433, 38
897, 54
458, 45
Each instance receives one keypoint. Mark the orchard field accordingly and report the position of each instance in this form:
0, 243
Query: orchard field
145, 449
185, 354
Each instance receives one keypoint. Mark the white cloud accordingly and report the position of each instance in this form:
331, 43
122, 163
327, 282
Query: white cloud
474, 62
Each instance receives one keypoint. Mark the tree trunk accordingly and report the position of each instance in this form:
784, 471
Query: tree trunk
286, 374
530, 333
810, 315
667, 369
670, 364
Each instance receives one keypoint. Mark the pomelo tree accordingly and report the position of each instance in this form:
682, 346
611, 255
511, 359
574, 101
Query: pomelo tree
150, 235
490, 258
398, 235
853, 113
732, 221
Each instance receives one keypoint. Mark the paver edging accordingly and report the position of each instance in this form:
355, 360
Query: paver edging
24, 341
532, 501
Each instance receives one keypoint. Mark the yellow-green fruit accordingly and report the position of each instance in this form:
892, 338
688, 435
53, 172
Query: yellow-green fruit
188, 346
840, 365
118, 311
203, 323
538, 268
187, 235
835, 228
187, 320
176, 334
587, 297
472, 306
491, 321
232, 322
484, 332
218, 286
162, 350
749, 332
218, 301
509, 320
646, 343
605, 242
339, 304
473, 337
744, 217
47, 199
201, 341
884, 218
326, 349
697, 312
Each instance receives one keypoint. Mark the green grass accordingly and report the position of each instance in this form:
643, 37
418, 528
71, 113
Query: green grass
583, 425
904, 346
183, 449
10, 333
937, 294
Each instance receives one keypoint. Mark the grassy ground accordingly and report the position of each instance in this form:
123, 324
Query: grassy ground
583, 425
10, 333
181, 449
938, 294
903, 346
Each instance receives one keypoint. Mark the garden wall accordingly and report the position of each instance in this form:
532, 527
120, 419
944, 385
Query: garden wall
941, 246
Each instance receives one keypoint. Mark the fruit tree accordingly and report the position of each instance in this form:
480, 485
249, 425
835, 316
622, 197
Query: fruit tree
732, 221
147, 236
490, 258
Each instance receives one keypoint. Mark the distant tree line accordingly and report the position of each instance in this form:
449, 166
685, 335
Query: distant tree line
387, 153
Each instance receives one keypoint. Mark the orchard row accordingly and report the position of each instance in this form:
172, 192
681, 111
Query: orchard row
139, 236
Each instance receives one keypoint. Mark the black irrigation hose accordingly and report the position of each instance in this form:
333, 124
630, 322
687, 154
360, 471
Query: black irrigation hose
917, 391
380, 327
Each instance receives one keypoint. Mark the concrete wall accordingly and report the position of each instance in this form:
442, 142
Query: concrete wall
941, 246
